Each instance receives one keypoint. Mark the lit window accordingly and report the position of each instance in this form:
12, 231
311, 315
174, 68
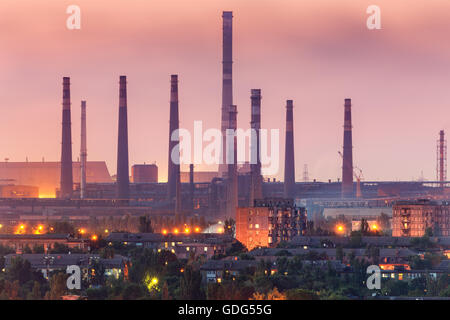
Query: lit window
257, 226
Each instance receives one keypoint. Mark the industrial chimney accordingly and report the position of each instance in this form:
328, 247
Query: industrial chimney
66, 146
191, 186
255, 161
289, 162
347, 157
123, 177
227, 82
441, 159
232, 177
174, 185
83, 151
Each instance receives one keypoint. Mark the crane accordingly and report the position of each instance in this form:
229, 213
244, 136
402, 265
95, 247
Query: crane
358, 174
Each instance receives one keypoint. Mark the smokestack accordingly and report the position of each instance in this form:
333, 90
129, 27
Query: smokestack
191, 185
442, 159
227, 82
173, 184
255, 161
347, 157
123, 176
66, 146
232, 189
289, 162
83, 151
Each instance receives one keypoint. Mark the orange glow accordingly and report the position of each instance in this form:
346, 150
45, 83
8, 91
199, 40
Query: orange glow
47, 196
374, 227
21, 229
187, 230
39, 229
176, 231
391, 266
164, 231
340, 228
197, 229
94, 238
106, 230
220, 230
82, 231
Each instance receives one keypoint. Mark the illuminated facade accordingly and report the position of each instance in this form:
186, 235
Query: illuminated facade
412, 218
269, 222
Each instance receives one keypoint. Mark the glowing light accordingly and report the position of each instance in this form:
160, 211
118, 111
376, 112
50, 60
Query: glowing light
47, 196
176, 231
151, 283
94, 238
187, 230
220, 230
197, 229
1, 226
374, 227
82, 231
39, 229
340, 228
164, 231
106, 230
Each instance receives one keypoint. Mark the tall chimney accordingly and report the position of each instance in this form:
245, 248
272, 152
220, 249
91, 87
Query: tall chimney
232, 176
289, 162
83, 151
227, 82
255, 161
66, 146
442, 159
191, 185
123, 176
347, 157
173, 184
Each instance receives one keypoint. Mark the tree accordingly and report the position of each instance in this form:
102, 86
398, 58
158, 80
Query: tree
58, 286
20, 270
63, 227
145, 224
364, 227
35, 293
384, 221
273, 294
165, 292
230, 226
190, 285
301, 294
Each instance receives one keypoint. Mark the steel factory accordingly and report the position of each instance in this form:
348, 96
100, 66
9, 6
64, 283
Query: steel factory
78, 190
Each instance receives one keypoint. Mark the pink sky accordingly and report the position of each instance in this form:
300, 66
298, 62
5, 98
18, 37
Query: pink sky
315, 52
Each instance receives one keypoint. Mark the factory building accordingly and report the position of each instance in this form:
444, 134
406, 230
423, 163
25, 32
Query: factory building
15, 191
269, 222
144, 173
199, 176
413, 218
46, 175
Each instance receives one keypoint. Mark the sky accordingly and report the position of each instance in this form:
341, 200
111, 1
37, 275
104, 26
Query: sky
315, 52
